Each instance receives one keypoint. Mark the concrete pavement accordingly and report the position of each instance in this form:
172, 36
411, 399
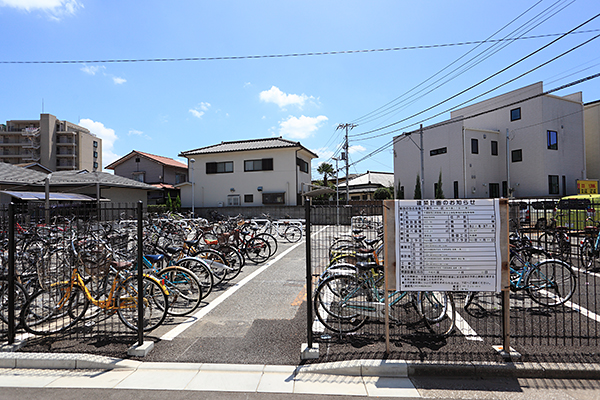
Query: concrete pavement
381, 378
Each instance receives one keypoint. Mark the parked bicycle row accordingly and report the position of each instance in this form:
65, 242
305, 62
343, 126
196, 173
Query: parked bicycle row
79, 271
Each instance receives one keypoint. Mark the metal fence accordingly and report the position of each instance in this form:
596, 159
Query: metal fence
534, 330
41, 248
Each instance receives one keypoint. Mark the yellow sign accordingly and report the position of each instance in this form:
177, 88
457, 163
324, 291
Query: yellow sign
587, 187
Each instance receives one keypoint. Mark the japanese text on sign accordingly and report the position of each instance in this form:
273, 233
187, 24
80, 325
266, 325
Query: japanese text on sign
448, 245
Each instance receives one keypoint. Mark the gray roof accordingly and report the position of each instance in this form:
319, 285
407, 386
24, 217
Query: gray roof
373, 178
14, 175
11, 174
244, 145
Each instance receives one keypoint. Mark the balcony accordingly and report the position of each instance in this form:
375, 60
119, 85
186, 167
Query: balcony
66, 155
65, 167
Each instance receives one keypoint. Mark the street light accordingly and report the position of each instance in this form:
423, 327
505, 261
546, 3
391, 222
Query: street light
337, 189
192, 161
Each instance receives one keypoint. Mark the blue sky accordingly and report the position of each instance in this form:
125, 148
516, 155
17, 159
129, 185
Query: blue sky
168, 107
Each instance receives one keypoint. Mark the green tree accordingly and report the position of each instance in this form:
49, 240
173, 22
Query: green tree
383, 194
169, 202
418, 188
439, 191
400, 192
177, 204
327, 170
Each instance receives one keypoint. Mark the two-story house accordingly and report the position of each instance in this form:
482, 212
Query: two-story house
161, 172
271, 171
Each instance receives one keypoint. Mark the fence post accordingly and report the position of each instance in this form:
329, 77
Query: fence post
140, 270
309, 316
11, 274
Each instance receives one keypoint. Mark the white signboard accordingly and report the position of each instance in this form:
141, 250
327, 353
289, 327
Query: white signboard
448, 245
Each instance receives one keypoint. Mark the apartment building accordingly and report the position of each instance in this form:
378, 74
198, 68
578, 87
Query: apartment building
57, 145
592, 138
523, 143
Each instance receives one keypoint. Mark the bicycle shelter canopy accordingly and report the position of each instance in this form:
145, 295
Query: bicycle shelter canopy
41, 196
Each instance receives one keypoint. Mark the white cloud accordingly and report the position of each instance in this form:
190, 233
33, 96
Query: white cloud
135, 132
200, 109
300, 128
276, 96
118, 81
55, 8
91, 69
356, 148
107, 135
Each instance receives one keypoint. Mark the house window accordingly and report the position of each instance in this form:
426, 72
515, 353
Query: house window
441, 150
95, 165
553, 184
455, 184
233, 200
95, 154
95, 144
180, 178
517, 155
273, 198
494, 190
504, 189
552, 140
494, 148
474, 146
302, 164
219, 167
266, 164
515, 114
248, 198
139, 176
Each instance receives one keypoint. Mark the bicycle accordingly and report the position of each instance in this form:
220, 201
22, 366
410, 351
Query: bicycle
589, 248
345, 300
555, 240
62, 304
290, 232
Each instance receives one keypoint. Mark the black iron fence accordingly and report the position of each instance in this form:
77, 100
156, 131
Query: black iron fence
61, 264
567, 233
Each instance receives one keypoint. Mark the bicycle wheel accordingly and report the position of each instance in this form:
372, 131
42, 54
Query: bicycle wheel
588, 256
337, 300
47, 311
257, 250
202, 272
185, 290
438, 310
216, 262
155, 303
234, 259
293, 234
21, 298
551, 283
548, 242
272, 242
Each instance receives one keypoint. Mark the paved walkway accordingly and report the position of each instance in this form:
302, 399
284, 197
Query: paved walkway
372, 378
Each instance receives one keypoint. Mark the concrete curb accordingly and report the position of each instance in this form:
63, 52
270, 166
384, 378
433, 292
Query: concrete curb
367, 368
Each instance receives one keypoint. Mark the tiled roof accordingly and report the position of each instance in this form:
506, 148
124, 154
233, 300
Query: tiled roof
159, 159
12, 174
244, 145
84, 177
373, 178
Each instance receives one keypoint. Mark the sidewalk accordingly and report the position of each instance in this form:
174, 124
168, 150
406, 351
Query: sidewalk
360, 377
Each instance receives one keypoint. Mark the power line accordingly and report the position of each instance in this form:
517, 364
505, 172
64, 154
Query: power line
480, 82
402, 137
325, 53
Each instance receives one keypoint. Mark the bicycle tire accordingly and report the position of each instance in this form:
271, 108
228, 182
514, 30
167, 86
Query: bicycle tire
185, 290
202, 272
234, 259
21, 297
551, 283
216, 262
257, 250
272, 240
588, 256
438, 310
331, 299
548, 242
155, 304
47, 311
292, 234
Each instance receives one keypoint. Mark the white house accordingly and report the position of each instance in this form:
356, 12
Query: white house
271, 171
525, 142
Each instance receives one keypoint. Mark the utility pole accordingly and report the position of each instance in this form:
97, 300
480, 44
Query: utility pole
346, 126
422, 165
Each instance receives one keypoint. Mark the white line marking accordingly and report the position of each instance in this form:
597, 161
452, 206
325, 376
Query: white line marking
173, 333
